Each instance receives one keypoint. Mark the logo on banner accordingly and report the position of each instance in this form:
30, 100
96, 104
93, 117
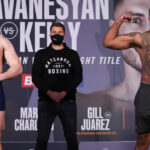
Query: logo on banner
9, 30
27, 81
108, 115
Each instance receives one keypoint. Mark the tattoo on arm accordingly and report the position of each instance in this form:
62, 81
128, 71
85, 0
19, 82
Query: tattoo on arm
146, 41
132, 34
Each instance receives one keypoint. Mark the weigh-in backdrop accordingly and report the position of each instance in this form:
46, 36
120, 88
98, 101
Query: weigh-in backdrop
105, 98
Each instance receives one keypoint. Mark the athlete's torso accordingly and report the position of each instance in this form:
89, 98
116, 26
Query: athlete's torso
2, 97
1, 54
144, 53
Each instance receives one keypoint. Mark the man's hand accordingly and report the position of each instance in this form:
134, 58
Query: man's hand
63, 94
127, 17
55, 96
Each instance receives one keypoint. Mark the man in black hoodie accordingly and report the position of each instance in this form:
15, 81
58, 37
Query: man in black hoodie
56, 73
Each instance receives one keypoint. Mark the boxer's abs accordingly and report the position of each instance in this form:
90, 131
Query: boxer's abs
145, 76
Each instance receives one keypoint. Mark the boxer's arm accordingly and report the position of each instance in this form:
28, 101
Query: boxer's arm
15, 67
124, 41
114, 41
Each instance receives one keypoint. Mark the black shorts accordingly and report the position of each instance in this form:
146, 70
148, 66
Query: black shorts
142, 109
2, 98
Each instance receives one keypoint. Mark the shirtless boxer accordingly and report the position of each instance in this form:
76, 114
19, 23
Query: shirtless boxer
7, 52
141, 42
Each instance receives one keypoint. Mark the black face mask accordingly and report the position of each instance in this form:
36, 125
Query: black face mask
57, 39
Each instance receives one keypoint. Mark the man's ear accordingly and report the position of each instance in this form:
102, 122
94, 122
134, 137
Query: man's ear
149, 18
64, 35
111, 22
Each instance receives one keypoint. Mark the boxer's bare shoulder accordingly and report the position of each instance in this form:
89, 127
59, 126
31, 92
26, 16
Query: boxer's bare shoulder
2, 43
5, 43
8, 53
8, 50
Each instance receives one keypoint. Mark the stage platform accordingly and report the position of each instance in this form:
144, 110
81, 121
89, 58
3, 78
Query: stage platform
115, 145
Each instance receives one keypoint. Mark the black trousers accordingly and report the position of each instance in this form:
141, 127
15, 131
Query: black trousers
47, 112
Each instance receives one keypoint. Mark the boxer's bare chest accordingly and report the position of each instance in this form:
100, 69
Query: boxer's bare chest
144, 53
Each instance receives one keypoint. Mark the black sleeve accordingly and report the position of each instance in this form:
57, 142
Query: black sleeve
37, 74
76, 74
